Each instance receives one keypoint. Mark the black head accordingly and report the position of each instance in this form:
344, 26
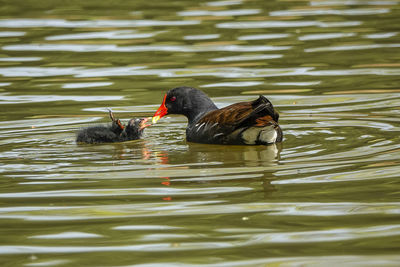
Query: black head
134, 129
184, 100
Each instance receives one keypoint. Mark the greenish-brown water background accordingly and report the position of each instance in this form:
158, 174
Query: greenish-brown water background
327, 196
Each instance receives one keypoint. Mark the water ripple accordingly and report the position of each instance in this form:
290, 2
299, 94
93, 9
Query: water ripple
338, 234
122, 34
344, 12
245, 58
381, 35
263, 36
353, 3
348, 260
20, 59
351, 47
232, 84
61, 23
124, 192
324, 36
285, 24
66, 235
11, 34
43, 122
176, 208
187, 72
367, 174
234, 12
86, 85
142, 48
201, 37
19, 99
224, 3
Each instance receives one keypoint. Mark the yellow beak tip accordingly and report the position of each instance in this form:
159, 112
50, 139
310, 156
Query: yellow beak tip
155, 119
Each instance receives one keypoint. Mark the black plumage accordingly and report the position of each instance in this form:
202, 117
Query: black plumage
245, 123
116, 132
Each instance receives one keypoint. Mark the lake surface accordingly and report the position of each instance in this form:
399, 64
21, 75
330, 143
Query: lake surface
329, 195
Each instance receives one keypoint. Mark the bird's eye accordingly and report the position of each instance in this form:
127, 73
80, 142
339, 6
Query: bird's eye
172, 99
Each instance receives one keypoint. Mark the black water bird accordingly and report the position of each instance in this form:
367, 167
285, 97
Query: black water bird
116, 132
245, 123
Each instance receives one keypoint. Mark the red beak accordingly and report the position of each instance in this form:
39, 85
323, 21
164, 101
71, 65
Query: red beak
161, 111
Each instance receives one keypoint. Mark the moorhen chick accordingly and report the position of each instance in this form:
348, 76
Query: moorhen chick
244, 123
116, 132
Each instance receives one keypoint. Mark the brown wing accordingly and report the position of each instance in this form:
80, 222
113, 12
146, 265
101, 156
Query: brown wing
251, 113
230, 115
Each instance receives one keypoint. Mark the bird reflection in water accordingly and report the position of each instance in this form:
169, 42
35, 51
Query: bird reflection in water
239, 156
216, 156
202, 156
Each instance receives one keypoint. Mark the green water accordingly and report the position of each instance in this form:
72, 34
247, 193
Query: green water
327, 196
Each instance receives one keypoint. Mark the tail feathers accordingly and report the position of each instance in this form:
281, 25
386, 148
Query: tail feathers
263, 105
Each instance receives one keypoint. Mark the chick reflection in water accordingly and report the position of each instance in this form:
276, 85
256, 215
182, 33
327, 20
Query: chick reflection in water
116, 132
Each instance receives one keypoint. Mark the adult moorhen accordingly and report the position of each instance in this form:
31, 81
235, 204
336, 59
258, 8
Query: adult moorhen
116, 132
244, 123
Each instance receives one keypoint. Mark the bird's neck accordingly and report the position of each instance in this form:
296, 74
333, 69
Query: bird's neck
198, 109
